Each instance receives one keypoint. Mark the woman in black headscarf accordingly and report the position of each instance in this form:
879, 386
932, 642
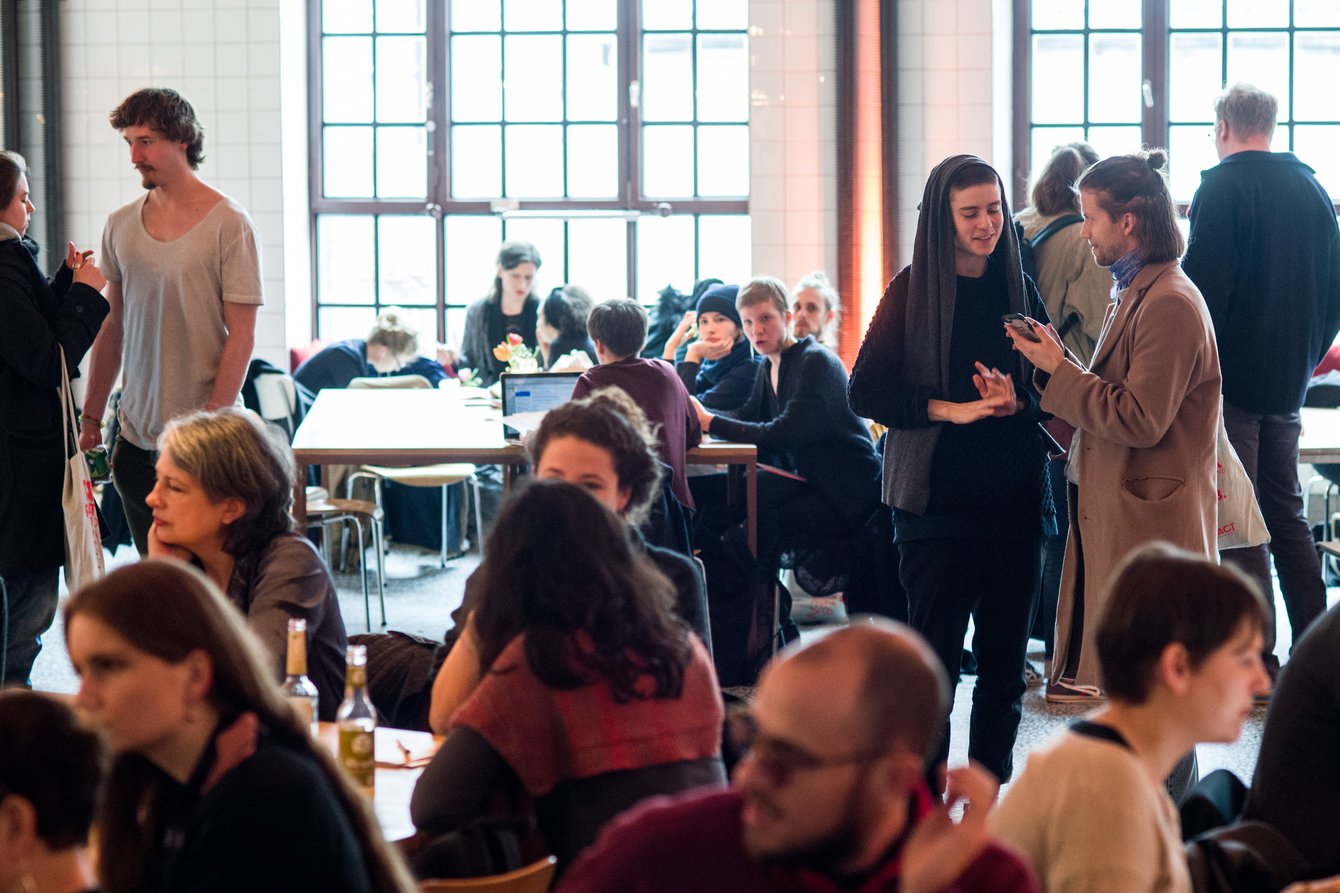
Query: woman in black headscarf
963, 465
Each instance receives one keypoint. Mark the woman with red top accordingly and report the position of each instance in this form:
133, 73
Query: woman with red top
594, 694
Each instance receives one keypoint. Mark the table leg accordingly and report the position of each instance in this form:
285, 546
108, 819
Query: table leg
751, 504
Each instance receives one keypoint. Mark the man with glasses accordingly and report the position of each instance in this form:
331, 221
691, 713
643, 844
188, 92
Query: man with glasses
831, 794
1264, 250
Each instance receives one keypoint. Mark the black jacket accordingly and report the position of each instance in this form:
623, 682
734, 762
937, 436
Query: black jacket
807, 427
39, 318
1265, 253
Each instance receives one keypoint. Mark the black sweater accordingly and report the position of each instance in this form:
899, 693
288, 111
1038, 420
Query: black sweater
1265, 253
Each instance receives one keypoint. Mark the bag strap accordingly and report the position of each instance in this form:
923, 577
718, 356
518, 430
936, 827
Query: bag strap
69, 418
1096, 730
1053, 228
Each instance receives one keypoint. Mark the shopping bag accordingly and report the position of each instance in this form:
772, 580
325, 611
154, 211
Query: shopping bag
83, 540
1240, 521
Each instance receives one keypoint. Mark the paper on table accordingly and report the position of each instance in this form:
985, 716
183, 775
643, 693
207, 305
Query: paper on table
524, 422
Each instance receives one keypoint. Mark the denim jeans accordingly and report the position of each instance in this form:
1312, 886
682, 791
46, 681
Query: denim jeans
31, 599
1268, 448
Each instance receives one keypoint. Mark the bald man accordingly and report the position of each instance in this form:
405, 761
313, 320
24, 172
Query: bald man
831, 794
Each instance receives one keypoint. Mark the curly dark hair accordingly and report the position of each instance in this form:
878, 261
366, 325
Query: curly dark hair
611, 420
166, 111
559, 564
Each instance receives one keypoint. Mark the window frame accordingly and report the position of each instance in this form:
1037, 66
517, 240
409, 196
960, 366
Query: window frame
1156, 120
629, 203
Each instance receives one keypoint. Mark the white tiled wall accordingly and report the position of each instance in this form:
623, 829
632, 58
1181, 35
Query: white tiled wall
224, 57
953, 92
793, 143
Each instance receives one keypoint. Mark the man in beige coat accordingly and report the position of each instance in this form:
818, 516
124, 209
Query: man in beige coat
1143, 466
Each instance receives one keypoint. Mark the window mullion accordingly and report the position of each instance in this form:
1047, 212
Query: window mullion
1154, 41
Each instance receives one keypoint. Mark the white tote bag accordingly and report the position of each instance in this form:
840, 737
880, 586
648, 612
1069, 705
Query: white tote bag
83, 541
1240, 521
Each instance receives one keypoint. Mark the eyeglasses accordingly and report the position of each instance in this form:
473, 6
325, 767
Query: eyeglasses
780, 760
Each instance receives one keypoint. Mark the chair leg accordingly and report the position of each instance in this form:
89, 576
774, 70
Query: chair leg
445, 501
377, 540
363, 574
479, 516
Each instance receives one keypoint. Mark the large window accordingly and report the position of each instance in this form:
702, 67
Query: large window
1122, 73
611, 133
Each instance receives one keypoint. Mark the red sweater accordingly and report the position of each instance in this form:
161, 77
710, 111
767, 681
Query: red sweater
548, 736
693, 842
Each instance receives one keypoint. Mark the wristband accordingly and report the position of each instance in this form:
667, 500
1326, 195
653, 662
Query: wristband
89, 418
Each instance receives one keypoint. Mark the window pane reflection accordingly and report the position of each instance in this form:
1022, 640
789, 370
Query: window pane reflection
597, 257
1190, 151
593, 161
346, 16
667, 161
344, 258
663, 15
1058, 87
1316, 60
1114, 93
400, 15
723, 77
1053, 14
1319, 146
347, 162
593, 78
402, 167
533, 78
532, 15
534, 156
724, 247
346, 79
1194, 80
723, 161
402, 83
471, 248
407, 272
667, 77
1255, 14
476, 78
476, 161
664, 256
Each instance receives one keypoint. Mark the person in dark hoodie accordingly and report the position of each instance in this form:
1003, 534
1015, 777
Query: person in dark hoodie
963, 464
718, 366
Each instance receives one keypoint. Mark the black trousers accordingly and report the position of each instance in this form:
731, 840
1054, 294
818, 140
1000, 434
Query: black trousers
785, 507
995, 582
134, 475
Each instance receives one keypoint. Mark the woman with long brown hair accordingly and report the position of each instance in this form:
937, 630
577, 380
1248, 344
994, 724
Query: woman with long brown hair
216, 782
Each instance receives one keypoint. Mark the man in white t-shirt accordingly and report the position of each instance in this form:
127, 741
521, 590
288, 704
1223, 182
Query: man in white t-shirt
184, 284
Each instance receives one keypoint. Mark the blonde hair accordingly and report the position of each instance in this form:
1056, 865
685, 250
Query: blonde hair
819, 283
400, 339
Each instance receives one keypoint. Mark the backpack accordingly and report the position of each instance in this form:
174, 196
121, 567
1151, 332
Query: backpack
1028, 253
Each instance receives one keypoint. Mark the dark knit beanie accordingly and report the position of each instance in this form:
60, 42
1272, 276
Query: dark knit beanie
721, 299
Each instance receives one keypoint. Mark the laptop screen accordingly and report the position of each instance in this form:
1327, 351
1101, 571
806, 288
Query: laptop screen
535, 392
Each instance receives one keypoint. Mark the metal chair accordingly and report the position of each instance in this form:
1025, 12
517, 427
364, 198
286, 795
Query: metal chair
328, 514
442, 475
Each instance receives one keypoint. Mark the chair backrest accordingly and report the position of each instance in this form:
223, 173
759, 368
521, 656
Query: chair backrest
391, 381
273, 395
533, 878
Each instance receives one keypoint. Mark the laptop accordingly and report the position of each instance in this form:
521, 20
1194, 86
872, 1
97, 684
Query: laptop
534, 392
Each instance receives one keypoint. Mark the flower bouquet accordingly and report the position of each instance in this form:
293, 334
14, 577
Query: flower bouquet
517, 356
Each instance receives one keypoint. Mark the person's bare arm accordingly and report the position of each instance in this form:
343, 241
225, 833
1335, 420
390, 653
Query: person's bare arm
459, 676
104, 366
240, 320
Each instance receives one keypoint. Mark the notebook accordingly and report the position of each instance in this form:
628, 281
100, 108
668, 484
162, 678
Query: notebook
534, 392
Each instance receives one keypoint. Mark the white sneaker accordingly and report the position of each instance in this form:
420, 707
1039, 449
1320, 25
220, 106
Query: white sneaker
819, 610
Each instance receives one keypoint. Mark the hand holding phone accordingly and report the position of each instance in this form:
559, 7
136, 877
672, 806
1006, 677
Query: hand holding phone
1021, 324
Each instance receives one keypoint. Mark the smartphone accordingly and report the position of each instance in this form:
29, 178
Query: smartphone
1020, 324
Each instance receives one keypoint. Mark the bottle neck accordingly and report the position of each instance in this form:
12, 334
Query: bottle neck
296, 664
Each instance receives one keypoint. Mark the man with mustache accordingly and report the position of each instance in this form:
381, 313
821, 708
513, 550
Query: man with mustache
184, 283
831, 794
